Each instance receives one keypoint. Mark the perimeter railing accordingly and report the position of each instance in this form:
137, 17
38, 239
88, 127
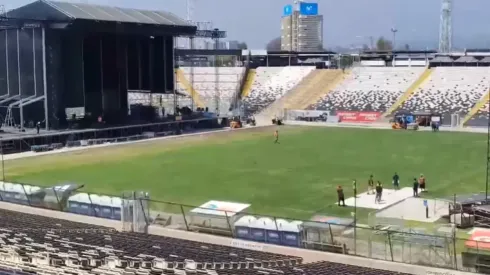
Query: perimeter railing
435, 245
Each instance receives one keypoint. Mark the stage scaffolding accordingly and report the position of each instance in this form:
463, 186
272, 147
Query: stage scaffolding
14, 99
204, 31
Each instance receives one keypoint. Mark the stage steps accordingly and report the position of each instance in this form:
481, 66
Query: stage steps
309, 91
414, 88
188, 87
248, 83
475, 108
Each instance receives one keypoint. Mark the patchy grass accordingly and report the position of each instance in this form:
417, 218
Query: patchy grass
296, 178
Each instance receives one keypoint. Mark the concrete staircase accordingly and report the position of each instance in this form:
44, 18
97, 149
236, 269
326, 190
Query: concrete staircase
409, 92
188, 87
250, 77
309, 91
475, 108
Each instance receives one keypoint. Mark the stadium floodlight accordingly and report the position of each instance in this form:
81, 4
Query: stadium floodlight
394, 31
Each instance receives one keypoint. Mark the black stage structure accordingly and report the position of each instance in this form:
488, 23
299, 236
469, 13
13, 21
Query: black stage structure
64, 60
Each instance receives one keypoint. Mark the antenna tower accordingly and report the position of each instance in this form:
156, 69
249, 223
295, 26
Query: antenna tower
190, 10
446, 27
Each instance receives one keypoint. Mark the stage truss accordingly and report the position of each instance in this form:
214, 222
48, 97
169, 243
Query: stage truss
204, 30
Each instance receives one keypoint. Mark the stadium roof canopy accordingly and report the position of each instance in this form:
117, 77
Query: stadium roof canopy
65, 12
466, 59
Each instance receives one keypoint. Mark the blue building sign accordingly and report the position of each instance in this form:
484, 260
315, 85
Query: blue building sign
308, 8
288, 10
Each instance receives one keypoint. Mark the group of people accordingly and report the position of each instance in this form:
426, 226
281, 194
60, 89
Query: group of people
377, 189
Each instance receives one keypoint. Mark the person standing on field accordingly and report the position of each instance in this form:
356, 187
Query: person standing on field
276, 136
379, 192
370, 185
422, 183
396, 181
415, 187
340, 195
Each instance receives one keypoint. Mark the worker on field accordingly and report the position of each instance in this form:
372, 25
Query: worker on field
379, 192
340, 195
354, 187
415, 187
422, 183
370, 185
276, 137
396, 181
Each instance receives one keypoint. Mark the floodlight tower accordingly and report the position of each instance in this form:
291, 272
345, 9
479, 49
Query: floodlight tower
446, 27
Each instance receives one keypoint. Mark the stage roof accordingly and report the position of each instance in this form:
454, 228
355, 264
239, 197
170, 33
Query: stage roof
44, 10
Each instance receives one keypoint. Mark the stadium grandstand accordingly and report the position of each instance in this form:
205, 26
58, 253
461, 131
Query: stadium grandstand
369, 89
31, 244
102, 76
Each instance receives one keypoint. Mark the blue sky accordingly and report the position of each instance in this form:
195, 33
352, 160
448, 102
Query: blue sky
346, 22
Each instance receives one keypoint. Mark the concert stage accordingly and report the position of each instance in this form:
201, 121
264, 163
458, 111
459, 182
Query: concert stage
66, 60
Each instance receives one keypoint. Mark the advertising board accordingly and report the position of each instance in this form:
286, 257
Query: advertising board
308, 8
287, 10
480, 239
363, 117
220, 208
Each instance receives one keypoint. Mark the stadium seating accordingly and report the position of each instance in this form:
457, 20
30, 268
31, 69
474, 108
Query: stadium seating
206, 84
369, 89
480, 119
32, 244
271, 83
450, 90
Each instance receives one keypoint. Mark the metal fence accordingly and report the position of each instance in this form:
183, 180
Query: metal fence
439, 247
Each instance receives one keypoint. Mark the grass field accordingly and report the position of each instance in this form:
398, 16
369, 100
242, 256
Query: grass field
296, 178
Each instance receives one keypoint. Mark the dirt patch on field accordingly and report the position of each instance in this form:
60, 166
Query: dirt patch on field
99, 155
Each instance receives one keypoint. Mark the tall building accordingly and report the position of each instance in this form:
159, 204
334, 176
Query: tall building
301, 28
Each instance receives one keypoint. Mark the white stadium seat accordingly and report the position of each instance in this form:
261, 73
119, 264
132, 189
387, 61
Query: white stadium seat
369, 89
480, 119
226, 86
271, 83
450, 90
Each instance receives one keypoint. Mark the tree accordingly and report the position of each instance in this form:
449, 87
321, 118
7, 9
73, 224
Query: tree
384, 45
407, 47
274, 44
242, 46
365, 48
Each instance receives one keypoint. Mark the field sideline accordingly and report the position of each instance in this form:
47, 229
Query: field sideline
296, 178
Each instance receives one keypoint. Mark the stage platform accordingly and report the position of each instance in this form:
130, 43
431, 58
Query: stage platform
413, 209
390, 197
14, 133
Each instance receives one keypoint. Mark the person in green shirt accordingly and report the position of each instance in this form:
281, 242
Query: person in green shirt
415, 187
396, 181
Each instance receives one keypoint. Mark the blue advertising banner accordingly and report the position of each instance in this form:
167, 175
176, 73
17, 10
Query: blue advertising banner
288, 10
308, 8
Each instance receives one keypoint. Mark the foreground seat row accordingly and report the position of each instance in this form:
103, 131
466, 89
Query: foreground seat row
40, 245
